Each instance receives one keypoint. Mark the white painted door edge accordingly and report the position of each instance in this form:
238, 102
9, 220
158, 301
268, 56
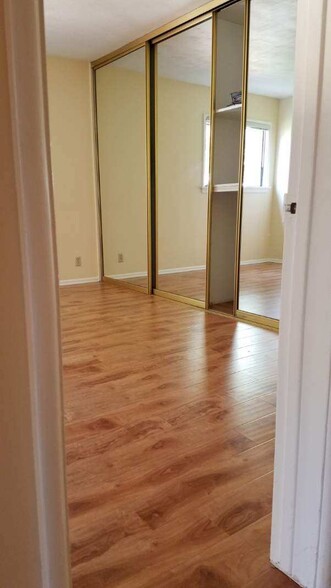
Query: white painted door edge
300, 547
29, 121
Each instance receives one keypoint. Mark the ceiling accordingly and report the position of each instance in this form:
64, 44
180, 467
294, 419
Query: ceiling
272, 47
185, 57
91, 33
87, 29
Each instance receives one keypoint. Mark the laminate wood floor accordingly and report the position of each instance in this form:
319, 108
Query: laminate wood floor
260, 285
169, 415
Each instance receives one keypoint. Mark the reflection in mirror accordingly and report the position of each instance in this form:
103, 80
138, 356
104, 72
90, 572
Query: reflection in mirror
183, 133
121, 121
228, 114
267, 154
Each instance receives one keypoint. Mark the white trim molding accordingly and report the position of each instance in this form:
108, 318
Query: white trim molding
180, 270
127, 276
263, 260
77, 281
175, 270
257, 189
35, 545
301, 542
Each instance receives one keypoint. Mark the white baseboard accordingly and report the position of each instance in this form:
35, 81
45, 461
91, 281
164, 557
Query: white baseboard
176, 270
127, 276
77, 281
265, 260
179, 270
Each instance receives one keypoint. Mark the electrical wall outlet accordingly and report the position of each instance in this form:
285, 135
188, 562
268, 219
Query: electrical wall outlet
120, 257
78, 261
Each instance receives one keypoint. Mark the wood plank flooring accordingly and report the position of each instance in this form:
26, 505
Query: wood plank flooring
190, 284
169, 415
260, 285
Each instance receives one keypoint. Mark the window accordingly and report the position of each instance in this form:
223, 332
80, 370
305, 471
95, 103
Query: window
256, 174
206, 147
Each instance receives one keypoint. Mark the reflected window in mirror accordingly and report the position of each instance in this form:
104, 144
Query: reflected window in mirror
257, 153
206, 152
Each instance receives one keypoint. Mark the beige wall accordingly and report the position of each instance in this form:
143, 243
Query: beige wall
182, 205
71, 132
282, 168
121, 101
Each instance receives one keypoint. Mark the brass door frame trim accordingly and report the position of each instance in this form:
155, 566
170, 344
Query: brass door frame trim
258, 320
97, 172
170, 26
125, 284
180, 29
156, 165
179, 298
211, 156
149, 169
118, 53
241, 154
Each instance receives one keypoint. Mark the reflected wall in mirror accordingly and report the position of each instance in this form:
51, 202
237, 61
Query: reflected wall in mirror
227, 134
267, 154
183, 133
121, 122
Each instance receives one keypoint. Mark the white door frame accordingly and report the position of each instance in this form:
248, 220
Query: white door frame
34, 543
300, 544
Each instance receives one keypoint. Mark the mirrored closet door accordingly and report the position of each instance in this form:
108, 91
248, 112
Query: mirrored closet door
183, 96
230, 36
122, 147
271, 55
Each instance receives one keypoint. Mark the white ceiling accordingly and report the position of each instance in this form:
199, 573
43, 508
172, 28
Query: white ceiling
185, 57
88, 29
90, 33
272, 47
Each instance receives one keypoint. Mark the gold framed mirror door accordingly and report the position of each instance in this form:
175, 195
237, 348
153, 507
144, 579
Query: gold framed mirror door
177, 156
183, 66
122, 117
266, 155
228, 102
